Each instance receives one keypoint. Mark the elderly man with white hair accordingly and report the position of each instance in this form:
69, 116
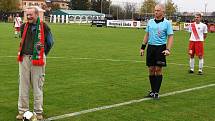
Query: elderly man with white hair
34, 47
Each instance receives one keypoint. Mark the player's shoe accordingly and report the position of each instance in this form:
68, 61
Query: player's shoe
150, 95
19, 116
191, 71
200, 72
39, 116
156, 96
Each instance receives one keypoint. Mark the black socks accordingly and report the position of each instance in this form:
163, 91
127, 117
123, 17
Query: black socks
152, 82
155, 81
159, 79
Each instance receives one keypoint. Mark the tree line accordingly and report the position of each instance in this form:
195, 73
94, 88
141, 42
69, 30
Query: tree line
128, 11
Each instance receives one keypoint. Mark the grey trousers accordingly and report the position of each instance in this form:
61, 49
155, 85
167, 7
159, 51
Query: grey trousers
30, 76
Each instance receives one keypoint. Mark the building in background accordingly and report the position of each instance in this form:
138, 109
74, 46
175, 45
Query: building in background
26, 3
63, 4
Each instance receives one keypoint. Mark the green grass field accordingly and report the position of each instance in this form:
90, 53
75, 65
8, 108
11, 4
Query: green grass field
101, 66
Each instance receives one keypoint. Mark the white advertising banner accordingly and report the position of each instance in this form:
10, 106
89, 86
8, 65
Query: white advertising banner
123, 23
186, 26
176, 28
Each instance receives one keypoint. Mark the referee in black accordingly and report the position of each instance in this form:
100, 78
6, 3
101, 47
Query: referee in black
159, 40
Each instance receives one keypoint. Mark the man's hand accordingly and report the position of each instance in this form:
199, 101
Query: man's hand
141, 52
166, 52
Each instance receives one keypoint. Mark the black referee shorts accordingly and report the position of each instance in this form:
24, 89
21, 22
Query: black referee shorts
154, 56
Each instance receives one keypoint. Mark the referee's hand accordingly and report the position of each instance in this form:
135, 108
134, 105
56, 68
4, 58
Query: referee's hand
141, 52
166, 52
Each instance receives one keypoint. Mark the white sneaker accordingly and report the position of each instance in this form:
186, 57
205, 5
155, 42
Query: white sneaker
200, 72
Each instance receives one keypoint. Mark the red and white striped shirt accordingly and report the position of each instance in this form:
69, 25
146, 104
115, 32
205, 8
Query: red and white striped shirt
197, 33
18, 21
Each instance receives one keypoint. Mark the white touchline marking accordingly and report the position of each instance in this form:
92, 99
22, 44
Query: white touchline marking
114, 60
123, 104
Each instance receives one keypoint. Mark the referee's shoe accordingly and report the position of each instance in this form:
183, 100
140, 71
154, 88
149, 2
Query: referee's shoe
150, 95
156, 96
